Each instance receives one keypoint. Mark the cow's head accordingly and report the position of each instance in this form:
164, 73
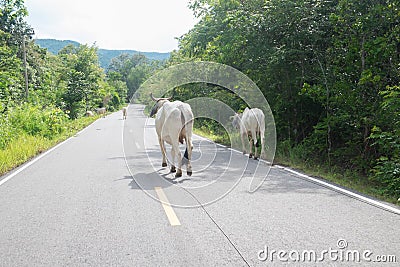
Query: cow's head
159, 103
236, 120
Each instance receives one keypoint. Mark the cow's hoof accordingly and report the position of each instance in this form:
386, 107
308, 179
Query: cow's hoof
164, 164
178, 174
173, 169
189, 173
250, 155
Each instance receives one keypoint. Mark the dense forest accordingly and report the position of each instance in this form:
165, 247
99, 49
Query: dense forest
330, 71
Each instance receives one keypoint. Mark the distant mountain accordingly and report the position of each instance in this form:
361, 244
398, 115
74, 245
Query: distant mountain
54, 45
105, 55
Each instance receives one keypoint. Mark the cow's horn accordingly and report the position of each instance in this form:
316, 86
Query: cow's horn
152, 97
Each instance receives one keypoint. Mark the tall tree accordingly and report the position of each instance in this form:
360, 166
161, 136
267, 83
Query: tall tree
12, 15
133, 70
14, 32
10, 75
83, 76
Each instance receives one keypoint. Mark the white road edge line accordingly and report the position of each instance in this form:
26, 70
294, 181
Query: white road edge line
322, 183
347, 192
34, 160
173, 219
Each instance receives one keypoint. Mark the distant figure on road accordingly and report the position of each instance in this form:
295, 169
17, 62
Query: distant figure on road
124, 113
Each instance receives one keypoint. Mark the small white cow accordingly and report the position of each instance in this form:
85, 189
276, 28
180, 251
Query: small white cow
174, 123
101, 111
124, 113
251, 123
89, 113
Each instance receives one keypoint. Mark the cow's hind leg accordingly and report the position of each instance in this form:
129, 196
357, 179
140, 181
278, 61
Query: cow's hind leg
256, 152
177, 153
188, 156
162, 146
262, 144
173, 169
254, 141
243, 138
255, 149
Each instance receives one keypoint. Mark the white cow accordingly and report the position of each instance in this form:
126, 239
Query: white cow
174, 123
251, 123
101, 111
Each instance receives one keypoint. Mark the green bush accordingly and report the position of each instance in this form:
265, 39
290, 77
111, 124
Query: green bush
34, 121
387, 174
7, 131
20, 149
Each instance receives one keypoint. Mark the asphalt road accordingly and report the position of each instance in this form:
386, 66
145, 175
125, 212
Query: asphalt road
94, 201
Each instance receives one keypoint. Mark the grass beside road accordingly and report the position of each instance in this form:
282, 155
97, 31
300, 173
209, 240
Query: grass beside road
211, 136
347, 178
344, 178
26, 146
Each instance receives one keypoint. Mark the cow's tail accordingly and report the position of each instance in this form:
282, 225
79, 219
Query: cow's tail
185, 158
183, 122
257, 135
260, 129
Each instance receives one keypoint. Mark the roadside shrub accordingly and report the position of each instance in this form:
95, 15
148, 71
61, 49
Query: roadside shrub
34, 121
387, 174
56, 120
114, 103
20, 149
7, 132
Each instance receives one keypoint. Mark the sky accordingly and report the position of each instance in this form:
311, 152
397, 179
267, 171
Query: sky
142, 25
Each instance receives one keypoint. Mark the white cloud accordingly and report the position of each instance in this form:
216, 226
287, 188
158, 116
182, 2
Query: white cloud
145, 25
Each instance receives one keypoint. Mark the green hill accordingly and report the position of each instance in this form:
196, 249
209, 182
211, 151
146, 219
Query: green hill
105, 55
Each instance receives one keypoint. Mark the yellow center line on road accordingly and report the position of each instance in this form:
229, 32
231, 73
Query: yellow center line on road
173, 219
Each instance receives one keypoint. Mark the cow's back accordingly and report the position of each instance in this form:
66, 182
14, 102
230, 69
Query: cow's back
260, 118
173, 119
253, 119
